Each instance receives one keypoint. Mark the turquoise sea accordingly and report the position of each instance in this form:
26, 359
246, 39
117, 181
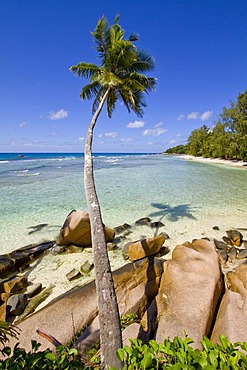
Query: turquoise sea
37, 191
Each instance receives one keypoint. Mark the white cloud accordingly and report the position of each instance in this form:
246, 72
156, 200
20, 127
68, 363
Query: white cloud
81, 138
60, 114
180, 117
22, 124
158, 124
154, 132
136, 124
100, 135
110, 134
206, 115
127, 140
193, 115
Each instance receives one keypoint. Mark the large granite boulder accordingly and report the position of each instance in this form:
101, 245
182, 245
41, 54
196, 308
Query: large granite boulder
232, 315
66, 315
76, 230
191, 287
134, 295
143, 248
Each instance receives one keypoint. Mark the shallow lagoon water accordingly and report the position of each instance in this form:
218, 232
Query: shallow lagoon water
38, 191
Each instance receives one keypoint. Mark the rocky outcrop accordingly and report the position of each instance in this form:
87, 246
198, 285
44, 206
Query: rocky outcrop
20, 258
143, 248
190, 290
76, 230
136, 285
170, 297
232, 316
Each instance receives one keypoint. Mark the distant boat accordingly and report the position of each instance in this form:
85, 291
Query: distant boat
20, 155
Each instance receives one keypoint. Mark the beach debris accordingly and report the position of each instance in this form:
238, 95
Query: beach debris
76, 230
49, 337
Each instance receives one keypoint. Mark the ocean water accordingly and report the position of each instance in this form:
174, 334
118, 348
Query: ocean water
37, 191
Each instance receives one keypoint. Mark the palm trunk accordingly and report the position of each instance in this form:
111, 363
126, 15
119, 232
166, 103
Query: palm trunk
110, 332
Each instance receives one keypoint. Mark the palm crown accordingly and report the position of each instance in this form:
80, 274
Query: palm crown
120, 72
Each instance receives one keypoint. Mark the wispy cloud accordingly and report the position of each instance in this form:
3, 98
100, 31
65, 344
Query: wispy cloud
154, 131
81, 138
108, 135
127, 140
193, 115
206, 115
196, 115
135, 124
22, 124
60, 114
180, 117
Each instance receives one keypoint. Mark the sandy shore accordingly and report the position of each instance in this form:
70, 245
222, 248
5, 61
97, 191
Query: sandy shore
234, 163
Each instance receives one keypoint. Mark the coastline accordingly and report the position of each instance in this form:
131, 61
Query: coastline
234, 163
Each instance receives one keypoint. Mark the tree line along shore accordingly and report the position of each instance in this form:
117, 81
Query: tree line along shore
226, 139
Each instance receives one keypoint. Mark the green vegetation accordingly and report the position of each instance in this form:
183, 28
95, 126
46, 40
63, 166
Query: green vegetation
177, 354
227, 139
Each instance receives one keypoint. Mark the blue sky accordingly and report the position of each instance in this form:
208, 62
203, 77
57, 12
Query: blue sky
200, 48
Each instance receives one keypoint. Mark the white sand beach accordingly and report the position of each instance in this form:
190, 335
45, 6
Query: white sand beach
232, 162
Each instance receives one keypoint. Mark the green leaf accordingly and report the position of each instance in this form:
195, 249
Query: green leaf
120, 354
50, 356
147, 360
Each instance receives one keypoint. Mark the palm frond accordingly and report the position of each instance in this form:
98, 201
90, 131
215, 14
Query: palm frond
111, 102
7, 330
89, 91
101, 37
85, 70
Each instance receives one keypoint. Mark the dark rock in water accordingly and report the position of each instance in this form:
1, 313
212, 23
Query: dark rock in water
143, 221
36, 228
220, 245
119, 229
16, 304
216, 228
21, 257
235, 236
156, 224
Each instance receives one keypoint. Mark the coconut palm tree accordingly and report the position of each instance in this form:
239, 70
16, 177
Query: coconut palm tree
118, 77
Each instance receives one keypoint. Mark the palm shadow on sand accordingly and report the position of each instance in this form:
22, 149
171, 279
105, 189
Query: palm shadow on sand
172, 213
